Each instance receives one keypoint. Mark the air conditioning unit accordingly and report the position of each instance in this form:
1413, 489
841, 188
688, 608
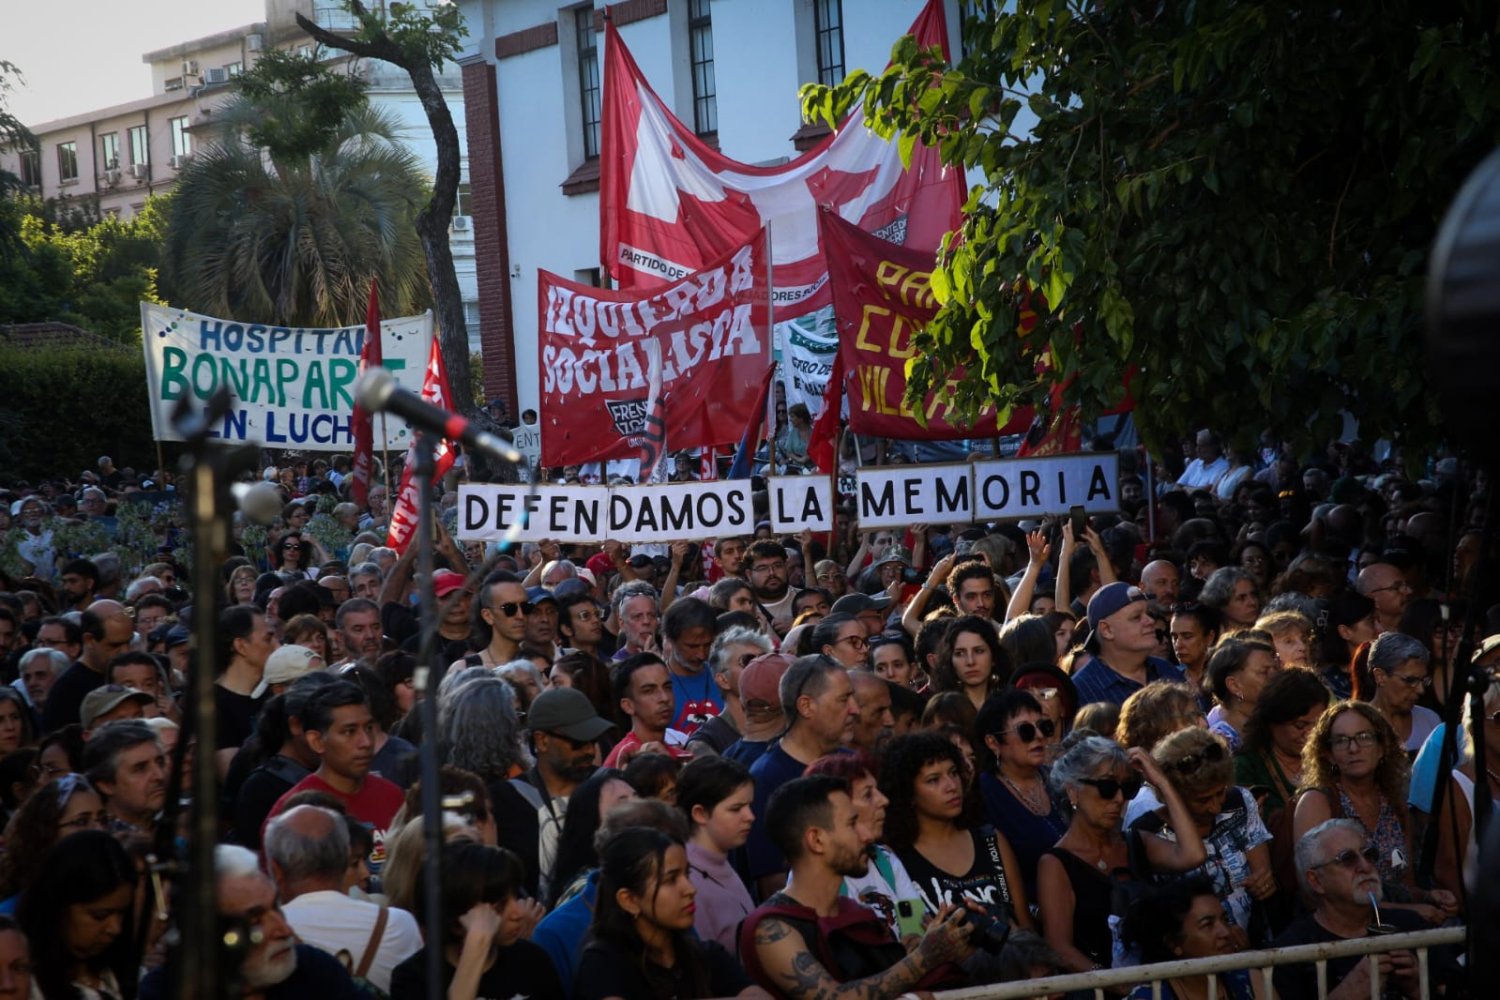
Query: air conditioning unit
112, 176
178, 162
139, 171
190, 67
216, 74
460, 223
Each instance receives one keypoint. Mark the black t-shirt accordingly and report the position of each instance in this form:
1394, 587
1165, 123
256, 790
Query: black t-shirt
236, 716
318, 974
517, 829
521, 972
606, 971
261, 790
1299, 981
65, 700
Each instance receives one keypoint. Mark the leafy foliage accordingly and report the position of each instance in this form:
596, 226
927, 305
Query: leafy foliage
296, 240
429, 34
1235, 198
296, 103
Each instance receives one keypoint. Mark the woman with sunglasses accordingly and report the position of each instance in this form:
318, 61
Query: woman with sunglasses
1458, 846
1238, 670
843, 638
970, 660
294, 554
1354, 767
933, 824
1196, 763
1399, 671
1076, 878
1016, 733
53, 811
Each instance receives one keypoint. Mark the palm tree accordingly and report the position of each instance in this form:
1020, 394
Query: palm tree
295, 240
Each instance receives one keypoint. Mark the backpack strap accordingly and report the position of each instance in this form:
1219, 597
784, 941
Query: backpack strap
370, 949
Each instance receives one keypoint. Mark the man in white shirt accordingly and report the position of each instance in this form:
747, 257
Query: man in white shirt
1204, 471
307, 849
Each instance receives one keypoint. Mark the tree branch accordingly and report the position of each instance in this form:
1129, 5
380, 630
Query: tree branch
382, 48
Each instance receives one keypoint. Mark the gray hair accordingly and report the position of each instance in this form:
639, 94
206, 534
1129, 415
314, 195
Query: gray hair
101, 757
138, 587
1310, 845
366, 569
635, 588
302, 855
570, 571
653, 813
508, 671
59, 659
480, 731
455, 679
380, 552
1292, 600
234, 861
1219, 587
1391, 649
1083, 759
1490, 704
738, 635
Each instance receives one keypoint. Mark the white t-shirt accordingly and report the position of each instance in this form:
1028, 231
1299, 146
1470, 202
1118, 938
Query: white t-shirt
874, 891
1200, 475
336, 923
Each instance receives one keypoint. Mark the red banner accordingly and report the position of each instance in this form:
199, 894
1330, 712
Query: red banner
669, 203
620, 370
881, 299
364, 431
404, 514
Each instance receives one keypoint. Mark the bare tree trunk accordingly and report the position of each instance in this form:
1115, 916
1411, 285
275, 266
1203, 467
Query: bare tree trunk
432, 221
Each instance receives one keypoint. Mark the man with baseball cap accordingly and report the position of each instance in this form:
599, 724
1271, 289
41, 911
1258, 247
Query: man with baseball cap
760, 694
869, 609
565, 732
1123, 636
111, 702
284, 665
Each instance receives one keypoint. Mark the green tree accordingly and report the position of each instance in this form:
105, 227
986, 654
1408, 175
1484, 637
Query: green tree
261, 226
1235, 198
419, 39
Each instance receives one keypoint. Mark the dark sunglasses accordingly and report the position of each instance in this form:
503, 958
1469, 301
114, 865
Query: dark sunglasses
512, 608
292, 545
1027, 732
1349, 858
1108, 788
1211, 754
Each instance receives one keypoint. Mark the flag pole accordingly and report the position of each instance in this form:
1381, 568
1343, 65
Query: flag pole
770, 334
385, 456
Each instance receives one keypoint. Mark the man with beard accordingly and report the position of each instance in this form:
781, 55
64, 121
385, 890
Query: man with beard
565, 732
124, 760
817, 828
729, 558
766, 569
688, 631
276, 966
76, 585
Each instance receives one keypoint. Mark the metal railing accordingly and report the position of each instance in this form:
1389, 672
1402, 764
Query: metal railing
1263, 961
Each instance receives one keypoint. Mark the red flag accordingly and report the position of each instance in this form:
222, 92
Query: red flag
669, 203
364, 430
820, 443
435, 391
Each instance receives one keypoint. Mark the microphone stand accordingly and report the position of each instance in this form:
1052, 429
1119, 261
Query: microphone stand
426, 679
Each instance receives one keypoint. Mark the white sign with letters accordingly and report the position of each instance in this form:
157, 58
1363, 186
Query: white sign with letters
897, 497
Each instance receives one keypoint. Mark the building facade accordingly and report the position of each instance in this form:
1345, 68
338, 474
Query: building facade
533, 78
122, 154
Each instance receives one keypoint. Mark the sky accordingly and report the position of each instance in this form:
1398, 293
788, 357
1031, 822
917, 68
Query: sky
79, 55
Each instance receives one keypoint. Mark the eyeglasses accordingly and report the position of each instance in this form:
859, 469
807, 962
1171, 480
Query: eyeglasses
1401, 585
1363, 738
1108, 788
1412, 680
856, 642
1027, 732
1189, 764
85, 821
776, 567
1350, 858
292, 545
512, 608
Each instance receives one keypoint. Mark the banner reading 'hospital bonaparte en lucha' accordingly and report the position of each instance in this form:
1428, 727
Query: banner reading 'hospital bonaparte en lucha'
293, 386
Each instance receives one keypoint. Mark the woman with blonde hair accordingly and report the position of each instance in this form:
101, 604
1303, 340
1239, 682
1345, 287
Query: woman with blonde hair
1353, 766
1148, 716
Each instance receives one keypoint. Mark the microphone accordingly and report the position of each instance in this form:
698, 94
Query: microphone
377, 391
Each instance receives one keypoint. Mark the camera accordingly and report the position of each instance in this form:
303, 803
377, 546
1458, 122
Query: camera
987, 931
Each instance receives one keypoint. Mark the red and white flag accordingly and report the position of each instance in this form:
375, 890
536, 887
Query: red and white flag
669, 203
370, 356
435, 391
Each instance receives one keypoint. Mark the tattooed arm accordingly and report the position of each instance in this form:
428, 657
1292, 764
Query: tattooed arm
784, 956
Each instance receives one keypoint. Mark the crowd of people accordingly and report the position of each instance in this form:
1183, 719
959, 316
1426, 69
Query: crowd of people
861, 765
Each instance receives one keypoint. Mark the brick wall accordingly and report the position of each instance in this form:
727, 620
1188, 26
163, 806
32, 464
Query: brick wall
491, 235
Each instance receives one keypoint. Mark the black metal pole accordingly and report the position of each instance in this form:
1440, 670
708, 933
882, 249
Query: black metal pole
428, 675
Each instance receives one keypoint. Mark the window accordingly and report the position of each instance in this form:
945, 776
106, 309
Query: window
471, 316
701, 44
234, 69
828, 33
589, 87
109, 151
182, 140
67, 161
31, 168
173, 84
140, 145
462, 205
